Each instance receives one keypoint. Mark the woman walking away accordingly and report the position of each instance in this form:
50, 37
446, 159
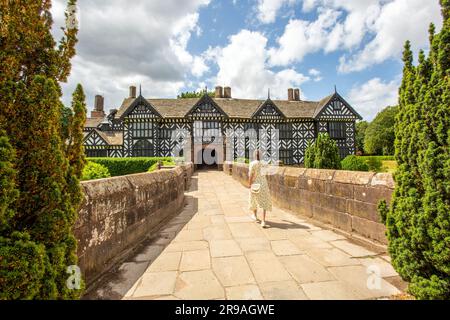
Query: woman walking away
259, 189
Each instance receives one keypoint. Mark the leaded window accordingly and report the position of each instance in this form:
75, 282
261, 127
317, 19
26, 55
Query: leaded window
337, 105
336, 130
142, 129
208, 131
143, 148
96, 153
286, 157
285, 131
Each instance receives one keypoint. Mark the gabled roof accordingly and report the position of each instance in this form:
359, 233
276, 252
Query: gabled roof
270, 103
92, 122
112, 138
325, 102
129, 104
207, 98
235, 108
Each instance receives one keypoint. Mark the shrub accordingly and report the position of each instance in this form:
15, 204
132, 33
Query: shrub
354, 163
8, 191
93, 171
39, 244
418, 218
164, 163
125, 166
379, 136
323, 153
374, 164
22, 267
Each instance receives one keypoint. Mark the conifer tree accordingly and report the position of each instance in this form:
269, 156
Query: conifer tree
323, 153
40, 245
418, 220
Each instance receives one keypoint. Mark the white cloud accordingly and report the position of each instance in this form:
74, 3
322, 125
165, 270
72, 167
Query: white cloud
373, 96
316, 74
268, 9
346, 24
303, 37
122, 44
243, 66
397, 22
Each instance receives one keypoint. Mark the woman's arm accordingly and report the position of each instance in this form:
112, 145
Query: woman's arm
251, 176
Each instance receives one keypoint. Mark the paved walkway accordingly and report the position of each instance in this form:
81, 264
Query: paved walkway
212, 250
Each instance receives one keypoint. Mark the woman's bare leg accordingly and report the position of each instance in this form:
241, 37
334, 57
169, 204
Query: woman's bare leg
255, 214
264, 216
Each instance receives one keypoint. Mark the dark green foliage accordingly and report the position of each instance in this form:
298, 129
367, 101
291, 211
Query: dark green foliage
381, 158
75, 149
323, 153
167, 162
418, 220
361, 127
194, 94
374, 164
22, 267
66, 119
354, 163
125, 166
379, 137
8, 191
37, 246
93, 171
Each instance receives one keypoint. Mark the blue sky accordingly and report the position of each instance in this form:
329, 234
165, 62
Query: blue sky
250, 45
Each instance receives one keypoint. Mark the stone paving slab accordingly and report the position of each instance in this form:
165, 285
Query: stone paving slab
224, 248
232, 271
248, 292
213, 250
195, 260
282, 290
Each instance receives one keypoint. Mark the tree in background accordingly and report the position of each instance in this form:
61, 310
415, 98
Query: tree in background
194, 94
38, 246
361, 127
323, 153
418, 220
380, 136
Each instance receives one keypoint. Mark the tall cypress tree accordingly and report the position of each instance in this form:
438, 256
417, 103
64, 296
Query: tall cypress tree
419, 218
31, 67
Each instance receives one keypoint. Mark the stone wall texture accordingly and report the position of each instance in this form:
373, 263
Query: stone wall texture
347, 200
120, 212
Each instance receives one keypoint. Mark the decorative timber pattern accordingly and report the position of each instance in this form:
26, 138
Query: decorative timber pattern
142, 111
94, 139
282, 130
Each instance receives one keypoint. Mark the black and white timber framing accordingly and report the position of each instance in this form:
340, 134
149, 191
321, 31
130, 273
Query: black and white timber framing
156, 127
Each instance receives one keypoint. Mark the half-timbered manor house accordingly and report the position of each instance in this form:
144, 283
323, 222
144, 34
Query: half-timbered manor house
144, 127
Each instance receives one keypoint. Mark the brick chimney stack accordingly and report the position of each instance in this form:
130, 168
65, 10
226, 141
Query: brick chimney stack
99, 107
290, 94
227, 92
297, 94
219, 92
133, 92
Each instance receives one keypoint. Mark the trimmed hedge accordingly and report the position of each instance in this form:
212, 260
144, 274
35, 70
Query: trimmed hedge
93, 171
354, 163
381, 158
169, 162
125, 166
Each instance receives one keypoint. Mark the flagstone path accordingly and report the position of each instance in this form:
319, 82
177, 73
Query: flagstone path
212, 250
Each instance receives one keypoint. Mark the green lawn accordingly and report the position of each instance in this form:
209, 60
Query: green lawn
389, 166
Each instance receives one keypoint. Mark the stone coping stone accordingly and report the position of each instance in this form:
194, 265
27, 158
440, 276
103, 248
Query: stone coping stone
384, 180
353, 177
